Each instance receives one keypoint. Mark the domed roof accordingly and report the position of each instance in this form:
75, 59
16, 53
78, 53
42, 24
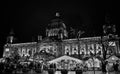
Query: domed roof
57, 22
56, 28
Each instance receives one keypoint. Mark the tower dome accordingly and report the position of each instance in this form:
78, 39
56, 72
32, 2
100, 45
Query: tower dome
56, 28
11, 38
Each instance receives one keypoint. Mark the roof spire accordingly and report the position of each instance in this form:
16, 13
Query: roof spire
10, 38
57, 14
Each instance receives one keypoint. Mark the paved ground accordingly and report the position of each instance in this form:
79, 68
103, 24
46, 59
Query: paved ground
70, 72
88, 72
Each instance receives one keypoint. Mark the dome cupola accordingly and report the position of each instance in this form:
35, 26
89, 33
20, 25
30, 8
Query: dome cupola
56, 28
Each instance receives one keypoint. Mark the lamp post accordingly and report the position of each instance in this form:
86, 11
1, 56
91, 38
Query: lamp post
94, 61
93, 65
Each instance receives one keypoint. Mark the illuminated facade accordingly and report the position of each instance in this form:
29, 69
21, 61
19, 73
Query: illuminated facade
57, 44
83, 47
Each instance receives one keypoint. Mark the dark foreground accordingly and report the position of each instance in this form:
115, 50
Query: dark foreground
70, 72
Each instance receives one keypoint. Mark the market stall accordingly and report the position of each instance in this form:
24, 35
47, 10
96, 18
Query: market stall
111, 60
66, 62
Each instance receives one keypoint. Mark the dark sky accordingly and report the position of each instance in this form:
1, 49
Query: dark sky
30, 18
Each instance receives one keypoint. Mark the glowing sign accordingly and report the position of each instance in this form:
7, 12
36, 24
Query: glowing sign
7, 49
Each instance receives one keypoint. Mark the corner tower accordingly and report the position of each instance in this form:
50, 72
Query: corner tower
11, 38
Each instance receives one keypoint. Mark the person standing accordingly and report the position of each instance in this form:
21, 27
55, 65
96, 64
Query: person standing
103, 67
51, 69
64, 71
107, 67
78, 69
115, 66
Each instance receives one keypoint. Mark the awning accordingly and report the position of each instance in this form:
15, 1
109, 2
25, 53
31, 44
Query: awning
65, 57
112, 58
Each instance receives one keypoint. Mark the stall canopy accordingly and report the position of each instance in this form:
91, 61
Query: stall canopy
112, 58
65, 57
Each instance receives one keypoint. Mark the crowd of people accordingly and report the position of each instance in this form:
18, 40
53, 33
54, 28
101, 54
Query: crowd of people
13, 67
24, 67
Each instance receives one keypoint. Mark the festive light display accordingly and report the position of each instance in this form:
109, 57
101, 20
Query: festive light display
65, 53
74, 48
85, 49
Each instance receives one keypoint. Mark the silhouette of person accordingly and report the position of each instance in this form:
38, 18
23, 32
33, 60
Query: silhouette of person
64, 71
103, 67
115, 66
51, 70
107, 66
78, 70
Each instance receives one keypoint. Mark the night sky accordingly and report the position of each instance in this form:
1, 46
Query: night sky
30, 18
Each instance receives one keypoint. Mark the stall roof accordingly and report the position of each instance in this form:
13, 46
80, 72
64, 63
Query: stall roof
65, 57
112, 58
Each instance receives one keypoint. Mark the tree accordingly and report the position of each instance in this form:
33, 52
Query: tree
80, 33
104, 47
71, 32
109, 31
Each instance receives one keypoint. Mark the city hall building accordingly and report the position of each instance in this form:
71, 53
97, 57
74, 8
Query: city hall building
57, 48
